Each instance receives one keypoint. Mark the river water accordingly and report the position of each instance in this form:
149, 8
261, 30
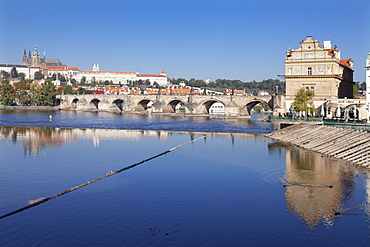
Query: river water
231, 188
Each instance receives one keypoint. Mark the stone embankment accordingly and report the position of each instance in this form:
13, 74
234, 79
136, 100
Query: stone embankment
349, 145
30, 108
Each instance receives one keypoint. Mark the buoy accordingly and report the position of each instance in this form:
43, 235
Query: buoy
51, 117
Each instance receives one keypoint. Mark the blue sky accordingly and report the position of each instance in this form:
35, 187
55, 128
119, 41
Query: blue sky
202, 39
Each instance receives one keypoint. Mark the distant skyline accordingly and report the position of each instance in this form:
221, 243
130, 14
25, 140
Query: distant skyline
203, 39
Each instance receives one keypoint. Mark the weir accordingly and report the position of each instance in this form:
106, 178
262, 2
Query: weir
350, 145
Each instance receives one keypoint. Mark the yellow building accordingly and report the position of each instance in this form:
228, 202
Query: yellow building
319, 68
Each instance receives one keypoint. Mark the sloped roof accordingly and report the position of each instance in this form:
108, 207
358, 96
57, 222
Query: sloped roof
150, 75
345, 62
109, 72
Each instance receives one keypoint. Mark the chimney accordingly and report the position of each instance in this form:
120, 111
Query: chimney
327, 44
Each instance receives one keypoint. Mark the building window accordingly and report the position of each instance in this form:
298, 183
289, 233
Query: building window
310, 88
309, 71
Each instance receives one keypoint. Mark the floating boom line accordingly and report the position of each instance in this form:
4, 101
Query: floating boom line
110, 173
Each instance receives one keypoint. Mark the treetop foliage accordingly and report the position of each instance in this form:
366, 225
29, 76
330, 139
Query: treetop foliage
303, 101
268, 85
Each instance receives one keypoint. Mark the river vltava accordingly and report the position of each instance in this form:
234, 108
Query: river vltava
230, 188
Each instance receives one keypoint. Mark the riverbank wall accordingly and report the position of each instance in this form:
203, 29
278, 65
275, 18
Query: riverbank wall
352, 146
30, 108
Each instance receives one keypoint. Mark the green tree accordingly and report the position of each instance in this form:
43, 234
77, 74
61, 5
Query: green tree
303, 101
47, 93
34, 93
14, 73
60, 77
5, 74
38, 75
22, 88
355, 90
81, 90
7, 93
83, 80
22, 76
68, 89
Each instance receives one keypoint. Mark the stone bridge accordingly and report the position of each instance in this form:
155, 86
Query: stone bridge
235, 106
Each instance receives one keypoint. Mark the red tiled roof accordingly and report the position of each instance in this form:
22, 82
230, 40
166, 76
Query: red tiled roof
59, 68
73, 68
112, 72
331, 52
345, 62
150, 75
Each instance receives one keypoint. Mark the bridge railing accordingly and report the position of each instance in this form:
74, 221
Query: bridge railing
294, 118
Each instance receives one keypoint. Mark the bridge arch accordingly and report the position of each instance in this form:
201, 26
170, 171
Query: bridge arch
248, 107
94, 103
206, 105
143, 105
118, 103
74, 102
174, 106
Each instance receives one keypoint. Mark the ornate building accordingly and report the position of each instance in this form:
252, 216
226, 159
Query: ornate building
319, 68
35, 60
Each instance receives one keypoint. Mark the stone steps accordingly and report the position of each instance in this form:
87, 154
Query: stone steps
347, 144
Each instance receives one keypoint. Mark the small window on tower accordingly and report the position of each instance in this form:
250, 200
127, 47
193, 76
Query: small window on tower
309, 71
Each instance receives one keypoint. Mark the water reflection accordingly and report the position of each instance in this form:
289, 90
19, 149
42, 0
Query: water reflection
316, 187
35, 139
103, 120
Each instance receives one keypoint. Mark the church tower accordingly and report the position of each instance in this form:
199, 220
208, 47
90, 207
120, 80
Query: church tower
36, 61
25, 58
96, 67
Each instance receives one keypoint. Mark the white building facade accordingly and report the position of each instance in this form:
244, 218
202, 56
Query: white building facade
68, 72
28, 71
122, 78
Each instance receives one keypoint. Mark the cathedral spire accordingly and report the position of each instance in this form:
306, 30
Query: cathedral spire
35, 52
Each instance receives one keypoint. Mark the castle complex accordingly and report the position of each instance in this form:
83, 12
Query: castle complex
33, 63
35, 60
